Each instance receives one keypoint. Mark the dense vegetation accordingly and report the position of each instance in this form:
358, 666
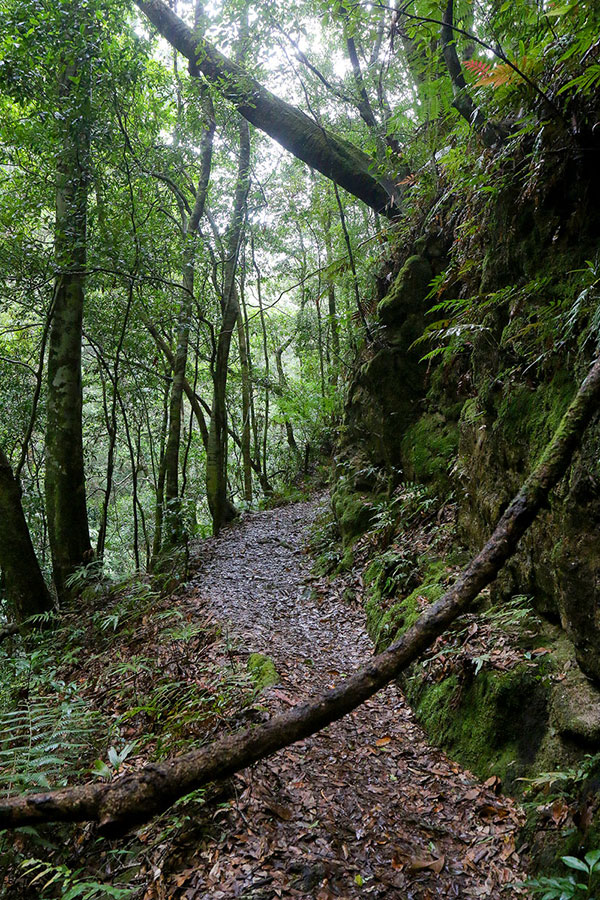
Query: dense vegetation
194, 321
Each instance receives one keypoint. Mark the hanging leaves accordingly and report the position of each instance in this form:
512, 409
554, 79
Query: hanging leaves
478, 67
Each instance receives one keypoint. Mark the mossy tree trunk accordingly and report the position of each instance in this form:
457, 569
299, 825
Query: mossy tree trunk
26, 589
65, 480
334, 157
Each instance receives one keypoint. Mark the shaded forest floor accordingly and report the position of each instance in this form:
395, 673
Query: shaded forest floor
366, 807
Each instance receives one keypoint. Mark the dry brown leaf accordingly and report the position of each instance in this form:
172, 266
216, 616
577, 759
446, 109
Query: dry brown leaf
435, 865
494, 783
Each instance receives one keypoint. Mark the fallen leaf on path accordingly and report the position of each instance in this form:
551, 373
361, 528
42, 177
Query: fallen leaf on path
494, 783
435, 865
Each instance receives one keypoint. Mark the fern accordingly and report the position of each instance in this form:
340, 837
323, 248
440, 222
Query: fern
586, 83
42, 742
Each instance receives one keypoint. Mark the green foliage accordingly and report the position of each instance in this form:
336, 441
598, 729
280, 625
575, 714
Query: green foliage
569, 886
71, 883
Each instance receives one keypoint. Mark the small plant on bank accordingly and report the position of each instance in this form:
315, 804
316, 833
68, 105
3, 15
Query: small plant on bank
579, 886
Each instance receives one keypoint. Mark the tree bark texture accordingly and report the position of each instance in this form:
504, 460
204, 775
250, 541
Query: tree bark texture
26, 589
246, 435
221, 508
334, 157
137, 797
65, 480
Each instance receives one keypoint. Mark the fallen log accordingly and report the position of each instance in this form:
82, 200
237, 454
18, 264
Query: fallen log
138, 796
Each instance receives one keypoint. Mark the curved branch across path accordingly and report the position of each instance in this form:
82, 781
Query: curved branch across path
334, 157
137, 797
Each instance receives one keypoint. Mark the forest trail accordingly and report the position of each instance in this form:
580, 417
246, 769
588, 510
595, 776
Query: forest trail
366, 807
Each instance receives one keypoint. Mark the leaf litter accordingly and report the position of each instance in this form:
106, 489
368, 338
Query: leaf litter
366, 807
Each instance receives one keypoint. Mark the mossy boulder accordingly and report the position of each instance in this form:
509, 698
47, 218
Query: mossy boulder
262, 671
384, 397
353, 511
576, 708
406, 294
429, 447
493, 722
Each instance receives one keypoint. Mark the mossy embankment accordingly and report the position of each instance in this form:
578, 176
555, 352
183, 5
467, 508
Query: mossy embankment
504, 284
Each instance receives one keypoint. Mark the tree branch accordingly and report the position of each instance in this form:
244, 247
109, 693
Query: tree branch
334, 157
138, 796
490, 133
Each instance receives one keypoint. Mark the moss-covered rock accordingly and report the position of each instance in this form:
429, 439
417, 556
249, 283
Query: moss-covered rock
353, 511
501, 436
428, 449
493, 722
407, 291
262, 671
576, 708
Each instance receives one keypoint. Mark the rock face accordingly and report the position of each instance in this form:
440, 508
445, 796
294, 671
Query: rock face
472, 421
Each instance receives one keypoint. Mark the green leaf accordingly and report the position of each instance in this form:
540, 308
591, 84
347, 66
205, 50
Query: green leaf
558, 10
113, 757
592, 858
100, 768
573, 863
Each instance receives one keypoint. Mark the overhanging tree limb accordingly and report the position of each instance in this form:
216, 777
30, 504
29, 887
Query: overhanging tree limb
140, 795
334, 157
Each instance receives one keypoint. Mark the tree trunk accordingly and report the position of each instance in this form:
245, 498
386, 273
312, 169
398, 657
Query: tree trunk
26, 589
491, 135
334, 157
221, 508
334, 330
173, 532
65, 480
245, 367
289, 431
111, 428
160, 485
137, 797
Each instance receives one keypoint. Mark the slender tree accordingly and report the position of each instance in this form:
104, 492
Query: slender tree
173, 532
65, 480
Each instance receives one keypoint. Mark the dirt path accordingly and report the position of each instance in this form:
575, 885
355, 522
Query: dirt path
366, 807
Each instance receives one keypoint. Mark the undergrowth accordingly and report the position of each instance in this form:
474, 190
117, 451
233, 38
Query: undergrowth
135, 678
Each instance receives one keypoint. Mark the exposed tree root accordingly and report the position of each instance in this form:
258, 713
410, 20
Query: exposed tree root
138, 796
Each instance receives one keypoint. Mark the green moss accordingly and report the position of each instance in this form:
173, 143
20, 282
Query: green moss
395, 621
528, 418
353, 511
385, 625
262, 671
494, 722
428, 448
407, 291
471, 411
346, 562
